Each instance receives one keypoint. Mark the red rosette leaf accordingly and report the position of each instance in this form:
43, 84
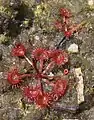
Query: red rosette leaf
19, 50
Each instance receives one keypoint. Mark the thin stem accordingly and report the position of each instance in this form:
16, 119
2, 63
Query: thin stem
41, 66
26, 75
47, 77
48, 82
39, 83
50, 77
28, 60
49, 67
35, 65
32, 63
62, 41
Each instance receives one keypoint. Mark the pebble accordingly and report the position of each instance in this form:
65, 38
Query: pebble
37, 38
91, 2
73, 48
51, 74
80, 85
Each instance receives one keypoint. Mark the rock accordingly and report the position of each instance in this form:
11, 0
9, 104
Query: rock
51, 74
80, 85
73, 48
90, 2
90, 114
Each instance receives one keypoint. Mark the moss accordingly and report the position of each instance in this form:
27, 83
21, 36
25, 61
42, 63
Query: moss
43, 17
40, 9
5, 10
14, 15
4, 39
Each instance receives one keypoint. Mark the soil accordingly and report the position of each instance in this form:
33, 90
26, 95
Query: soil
34, 27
